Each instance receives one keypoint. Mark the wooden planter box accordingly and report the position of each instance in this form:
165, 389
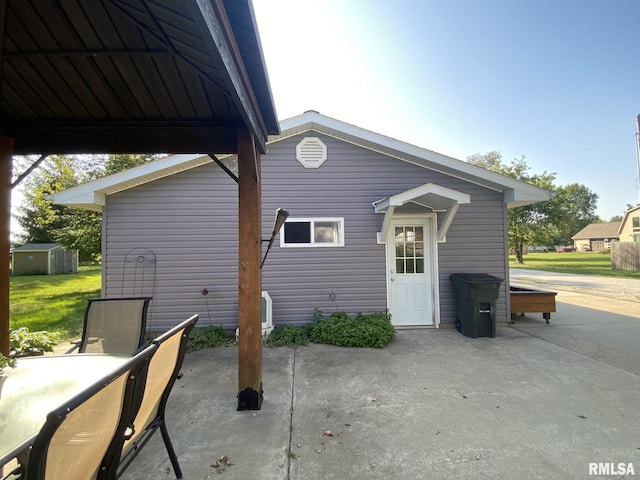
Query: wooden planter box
527, 300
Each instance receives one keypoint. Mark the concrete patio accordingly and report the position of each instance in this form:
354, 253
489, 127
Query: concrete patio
433, 404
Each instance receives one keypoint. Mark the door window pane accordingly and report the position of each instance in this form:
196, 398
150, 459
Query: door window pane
409, 248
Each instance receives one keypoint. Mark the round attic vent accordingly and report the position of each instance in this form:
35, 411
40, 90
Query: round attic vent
311, 152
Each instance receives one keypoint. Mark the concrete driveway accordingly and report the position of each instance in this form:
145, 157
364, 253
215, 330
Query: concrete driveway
597, 316
537, 402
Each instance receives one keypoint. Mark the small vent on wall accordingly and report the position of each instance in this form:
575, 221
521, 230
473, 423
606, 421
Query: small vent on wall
311, 152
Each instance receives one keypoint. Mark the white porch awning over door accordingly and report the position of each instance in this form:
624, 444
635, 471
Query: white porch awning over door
436, 197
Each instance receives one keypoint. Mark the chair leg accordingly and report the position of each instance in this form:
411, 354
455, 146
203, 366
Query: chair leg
172, 454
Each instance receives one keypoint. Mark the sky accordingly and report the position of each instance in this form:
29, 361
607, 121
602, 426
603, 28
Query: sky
555, 81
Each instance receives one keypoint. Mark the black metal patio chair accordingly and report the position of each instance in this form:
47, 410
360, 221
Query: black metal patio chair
163, 370
113, 325
83, 438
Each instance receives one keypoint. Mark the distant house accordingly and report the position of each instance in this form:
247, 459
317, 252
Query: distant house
43, 259
374, 224
596, 237
629, 230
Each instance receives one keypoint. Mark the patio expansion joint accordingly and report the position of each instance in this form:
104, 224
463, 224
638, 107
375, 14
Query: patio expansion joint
292, 369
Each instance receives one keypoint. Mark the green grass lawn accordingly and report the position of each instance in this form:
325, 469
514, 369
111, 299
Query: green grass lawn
55, 303
584, 263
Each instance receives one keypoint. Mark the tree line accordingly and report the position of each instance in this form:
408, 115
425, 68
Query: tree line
44, 222
545, 223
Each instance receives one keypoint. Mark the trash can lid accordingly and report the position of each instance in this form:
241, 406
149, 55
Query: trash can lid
475, 278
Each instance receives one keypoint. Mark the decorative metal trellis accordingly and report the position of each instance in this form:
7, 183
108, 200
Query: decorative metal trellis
139, 273
139, 276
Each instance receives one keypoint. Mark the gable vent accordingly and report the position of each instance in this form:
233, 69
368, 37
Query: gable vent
311, 152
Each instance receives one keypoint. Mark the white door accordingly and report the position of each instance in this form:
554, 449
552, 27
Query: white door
410, 245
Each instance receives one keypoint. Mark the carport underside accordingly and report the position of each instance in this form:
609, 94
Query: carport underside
146, 76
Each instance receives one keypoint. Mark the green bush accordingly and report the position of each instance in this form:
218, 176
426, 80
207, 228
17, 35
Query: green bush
6, 362
23, 343
288, 336
370, 330
208, 337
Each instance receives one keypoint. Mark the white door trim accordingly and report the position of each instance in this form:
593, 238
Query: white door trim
430, 219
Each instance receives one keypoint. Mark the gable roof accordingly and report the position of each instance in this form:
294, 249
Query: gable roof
627, 216
516, 193
91, 195
598, 230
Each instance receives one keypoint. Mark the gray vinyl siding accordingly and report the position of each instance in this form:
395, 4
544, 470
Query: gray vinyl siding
189, 221
345, 186
476, 243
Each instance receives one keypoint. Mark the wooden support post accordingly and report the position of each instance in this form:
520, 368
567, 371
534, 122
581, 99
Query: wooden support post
249, 275
6, 153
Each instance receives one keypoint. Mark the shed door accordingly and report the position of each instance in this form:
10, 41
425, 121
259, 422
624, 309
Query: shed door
409, 258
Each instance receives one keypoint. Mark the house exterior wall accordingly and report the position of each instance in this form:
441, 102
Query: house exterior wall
629, 233
189, 220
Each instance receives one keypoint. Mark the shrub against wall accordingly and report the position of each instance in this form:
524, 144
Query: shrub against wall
372, 330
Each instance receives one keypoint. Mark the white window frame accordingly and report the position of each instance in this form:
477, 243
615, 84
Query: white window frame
313, 244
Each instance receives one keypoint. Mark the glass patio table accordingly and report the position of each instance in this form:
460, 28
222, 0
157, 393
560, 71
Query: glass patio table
36, 386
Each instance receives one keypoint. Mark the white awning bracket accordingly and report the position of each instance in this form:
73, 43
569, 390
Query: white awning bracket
429, 195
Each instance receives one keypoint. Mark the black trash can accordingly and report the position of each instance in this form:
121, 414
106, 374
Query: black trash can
476, 295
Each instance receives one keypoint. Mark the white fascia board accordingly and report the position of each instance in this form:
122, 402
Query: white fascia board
83, 199
388, 204
92, 195
408, 195
400, 199
526, 194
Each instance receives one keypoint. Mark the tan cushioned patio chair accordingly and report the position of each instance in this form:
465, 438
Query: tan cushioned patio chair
83, 438
114, 325
162, 373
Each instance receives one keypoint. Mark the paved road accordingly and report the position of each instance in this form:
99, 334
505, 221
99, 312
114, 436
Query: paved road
596, 316
618, 288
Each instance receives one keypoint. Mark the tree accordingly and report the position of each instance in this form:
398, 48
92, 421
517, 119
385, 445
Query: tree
123, 161
531, 224
75, 229
572, 209
83, 228
82, 231
38, 216
546, 223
